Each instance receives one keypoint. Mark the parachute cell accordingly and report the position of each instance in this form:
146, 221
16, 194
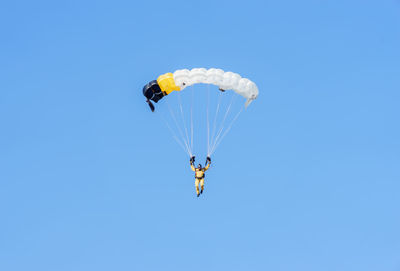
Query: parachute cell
167, 83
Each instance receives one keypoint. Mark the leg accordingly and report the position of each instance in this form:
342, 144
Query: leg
196, 183
202, 185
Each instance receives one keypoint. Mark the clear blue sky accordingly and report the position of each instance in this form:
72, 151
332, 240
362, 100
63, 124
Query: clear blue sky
308, 179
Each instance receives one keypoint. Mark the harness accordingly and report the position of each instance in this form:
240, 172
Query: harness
202, 169
199, 178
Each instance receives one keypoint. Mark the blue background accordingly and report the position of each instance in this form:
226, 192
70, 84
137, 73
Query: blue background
308, 178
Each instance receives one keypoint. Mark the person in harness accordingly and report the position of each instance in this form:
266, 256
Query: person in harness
199, 174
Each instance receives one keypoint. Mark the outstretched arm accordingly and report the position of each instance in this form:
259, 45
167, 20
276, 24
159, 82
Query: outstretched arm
191, 163
208, 163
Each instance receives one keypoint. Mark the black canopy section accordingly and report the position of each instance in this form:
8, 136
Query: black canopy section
152, 91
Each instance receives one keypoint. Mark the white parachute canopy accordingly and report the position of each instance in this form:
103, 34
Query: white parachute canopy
224, 80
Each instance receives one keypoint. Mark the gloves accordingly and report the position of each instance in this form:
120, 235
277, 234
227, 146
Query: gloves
209, 159
192, 159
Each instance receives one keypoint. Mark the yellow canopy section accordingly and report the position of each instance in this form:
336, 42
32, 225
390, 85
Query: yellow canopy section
167, 83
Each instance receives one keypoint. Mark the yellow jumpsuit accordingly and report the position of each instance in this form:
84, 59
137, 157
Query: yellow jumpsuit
199, 176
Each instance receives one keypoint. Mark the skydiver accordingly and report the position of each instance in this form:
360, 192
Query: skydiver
199, 174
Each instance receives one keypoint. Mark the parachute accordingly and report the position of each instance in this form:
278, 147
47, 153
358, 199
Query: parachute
179, 80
